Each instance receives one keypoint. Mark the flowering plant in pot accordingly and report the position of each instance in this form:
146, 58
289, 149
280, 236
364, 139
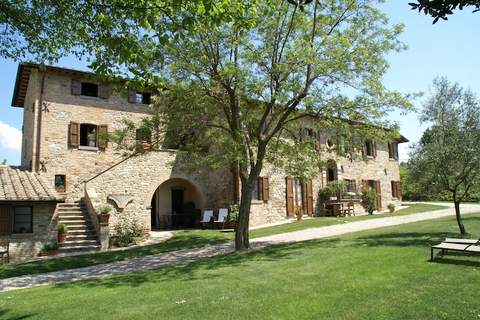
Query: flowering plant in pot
299, 213
391, 207
62, 233
104, 215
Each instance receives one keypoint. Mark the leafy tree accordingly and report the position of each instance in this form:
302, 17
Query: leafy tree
441, 9
243, 93
446, 158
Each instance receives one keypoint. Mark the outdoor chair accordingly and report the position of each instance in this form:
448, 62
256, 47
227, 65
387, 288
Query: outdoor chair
5, 250
206, 217
445, 247
222, 217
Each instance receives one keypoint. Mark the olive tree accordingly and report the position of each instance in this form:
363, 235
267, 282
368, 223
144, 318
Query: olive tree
447, 156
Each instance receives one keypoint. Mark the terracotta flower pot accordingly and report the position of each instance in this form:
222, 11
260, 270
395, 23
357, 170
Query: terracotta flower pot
61, 237
145, 145
391, 210
299, 218
48, 253
103, 218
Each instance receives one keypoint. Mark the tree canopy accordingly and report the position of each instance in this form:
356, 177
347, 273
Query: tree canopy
446, 158
441, 9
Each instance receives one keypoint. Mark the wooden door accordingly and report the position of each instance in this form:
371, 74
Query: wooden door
378, 191
309, 192
289, 195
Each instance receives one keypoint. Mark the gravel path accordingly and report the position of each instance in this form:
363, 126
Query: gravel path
170, 258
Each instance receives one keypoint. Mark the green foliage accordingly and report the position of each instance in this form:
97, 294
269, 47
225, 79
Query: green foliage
233, 212
104, 208
299, 212
4, 162
50, 246
441, 9
369, 200
334, 187
445, 161
62, 228
391, 207
126, 229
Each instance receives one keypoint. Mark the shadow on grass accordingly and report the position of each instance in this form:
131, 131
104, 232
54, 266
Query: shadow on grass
184, 240
4, 314
193, 270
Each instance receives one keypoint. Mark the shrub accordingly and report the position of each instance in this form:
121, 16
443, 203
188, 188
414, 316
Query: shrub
126, 229
234, 211
62, 228
50, 246
369, 200
105, 208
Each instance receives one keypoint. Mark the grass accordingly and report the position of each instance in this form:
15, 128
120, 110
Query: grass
184, 240
376, 274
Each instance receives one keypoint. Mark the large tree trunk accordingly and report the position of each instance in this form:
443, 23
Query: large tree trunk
242, 241
463, 231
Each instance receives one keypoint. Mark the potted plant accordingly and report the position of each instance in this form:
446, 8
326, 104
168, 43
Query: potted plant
145, 145
62, 232
391, 207
49, 249
299, 213
369, 200
104, 215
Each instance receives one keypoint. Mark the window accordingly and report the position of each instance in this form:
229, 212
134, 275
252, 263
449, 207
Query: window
139, 97
393, 150
369, 148
299, 194
60, 182
22, 220
351, 185
88, 135
89, 89
396, 189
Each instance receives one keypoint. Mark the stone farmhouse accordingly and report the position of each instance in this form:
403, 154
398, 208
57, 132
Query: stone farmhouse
67, 170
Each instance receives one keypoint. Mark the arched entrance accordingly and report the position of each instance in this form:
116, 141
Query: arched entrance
176, 204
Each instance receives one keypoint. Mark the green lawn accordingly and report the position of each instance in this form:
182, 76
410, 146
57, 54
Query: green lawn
377, 274
184, 240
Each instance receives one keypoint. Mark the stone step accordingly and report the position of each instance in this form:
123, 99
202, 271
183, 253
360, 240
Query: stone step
74, 217
77, 221
86, 230
79, 248
80, 227
70, 205
72, 210
78, 243
79, 237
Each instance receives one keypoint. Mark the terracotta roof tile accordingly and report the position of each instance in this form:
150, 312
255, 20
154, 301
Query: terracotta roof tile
17, 184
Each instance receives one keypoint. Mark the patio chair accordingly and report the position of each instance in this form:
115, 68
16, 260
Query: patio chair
206, 217
445, 247
222, 217
5, 250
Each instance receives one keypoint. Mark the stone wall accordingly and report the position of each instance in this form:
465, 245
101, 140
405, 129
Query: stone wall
24, 246
141, 175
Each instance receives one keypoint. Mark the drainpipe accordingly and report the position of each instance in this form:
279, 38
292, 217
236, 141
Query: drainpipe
38, 133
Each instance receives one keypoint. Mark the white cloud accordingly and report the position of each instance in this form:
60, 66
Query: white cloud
10, 137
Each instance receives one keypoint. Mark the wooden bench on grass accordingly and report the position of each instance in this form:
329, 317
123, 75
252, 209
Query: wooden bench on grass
445, 247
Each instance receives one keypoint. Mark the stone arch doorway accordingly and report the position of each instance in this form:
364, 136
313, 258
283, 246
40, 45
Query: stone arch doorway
176, 204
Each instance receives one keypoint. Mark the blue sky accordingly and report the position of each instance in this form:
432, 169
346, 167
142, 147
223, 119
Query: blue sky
448, 48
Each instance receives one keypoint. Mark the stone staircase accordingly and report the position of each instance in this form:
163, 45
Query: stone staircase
81, 235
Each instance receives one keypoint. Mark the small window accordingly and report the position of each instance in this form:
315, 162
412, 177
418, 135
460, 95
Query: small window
139, 97
22, 220
89, 89
369, 148
60, 182
393, 150
351, 185
88, 135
